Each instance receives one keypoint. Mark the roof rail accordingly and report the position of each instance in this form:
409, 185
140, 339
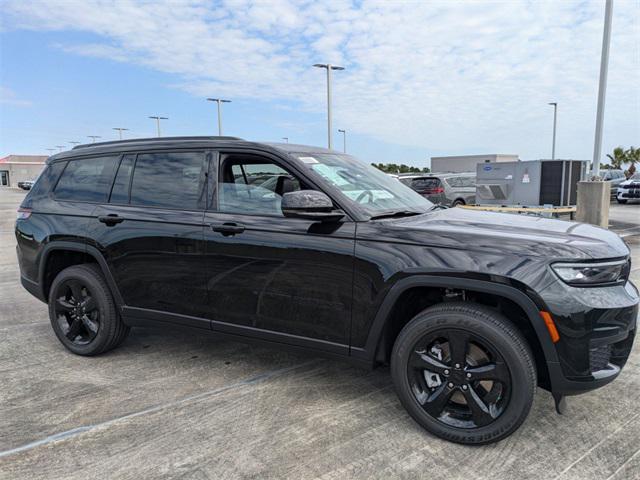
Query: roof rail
154, 139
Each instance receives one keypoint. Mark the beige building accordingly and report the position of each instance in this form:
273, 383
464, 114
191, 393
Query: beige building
18, 168
467, 163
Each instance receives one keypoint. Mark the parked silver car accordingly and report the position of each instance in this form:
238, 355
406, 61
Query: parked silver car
616, 177
450, 189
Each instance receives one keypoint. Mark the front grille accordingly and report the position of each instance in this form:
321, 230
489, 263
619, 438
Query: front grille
599, 357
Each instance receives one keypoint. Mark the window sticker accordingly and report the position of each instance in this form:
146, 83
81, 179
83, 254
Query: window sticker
308, 159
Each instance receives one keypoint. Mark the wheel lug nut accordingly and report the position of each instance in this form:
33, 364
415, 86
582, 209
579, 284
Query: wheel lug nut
446, 372
464, 387
450, 385
457, 365
468, 375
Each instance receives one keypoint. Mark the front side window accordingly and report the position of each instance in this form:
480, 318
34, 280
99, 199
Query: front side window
360, 183
253, 185
87, 179
169, 180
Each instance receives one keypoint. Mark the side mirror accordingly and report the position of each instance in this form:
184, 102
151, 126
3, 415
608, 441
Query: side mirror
311, 205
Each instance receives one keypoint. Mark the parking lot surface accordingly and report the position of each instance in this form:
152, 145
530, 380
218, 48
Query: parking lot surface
186, 404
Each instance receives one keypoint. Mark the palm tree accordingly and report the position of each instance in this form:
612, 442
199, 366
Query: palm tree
619, 157
632, 155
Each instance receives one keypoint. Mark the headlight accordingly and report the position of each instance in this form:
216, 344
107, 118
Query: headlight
589, 274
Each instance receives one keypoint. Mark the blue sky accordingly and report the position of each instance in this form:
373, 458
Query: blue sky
421, 79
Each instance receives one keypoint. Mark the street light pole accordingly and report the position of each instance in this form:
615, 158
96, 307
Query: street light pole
555, 117
219, 101
120, 130
73, 143
286, 139
51, 150
329, 68
93, 138
60, 147
157, 119
344, 140
602, 88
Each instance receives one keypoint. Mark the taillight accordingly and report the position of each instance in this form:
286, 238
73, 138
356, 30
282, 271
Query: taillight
438, 190
23, 213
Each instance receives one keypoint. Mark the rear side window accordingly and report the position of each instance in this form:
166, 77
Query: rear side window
88, 179
169, 179
467, 181
120, 190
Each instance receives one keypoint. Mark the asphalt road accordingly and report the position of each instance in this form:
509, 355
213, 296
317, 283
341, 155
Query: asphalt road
173, 404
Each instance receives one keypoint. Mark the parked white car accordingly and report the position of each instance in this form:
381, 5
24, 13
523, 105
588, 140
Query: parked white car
629, 189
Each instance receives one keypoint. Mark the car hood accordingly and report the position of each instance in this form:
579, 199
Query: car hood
630, 182
502, 232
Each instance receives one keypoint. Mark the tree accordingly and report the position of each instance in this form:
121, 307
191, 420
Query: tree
396, 169
632, 156
618, 158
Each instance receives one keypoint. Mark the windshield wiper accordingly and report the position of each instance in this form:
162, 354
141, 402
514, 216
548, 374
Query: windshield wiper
395, 213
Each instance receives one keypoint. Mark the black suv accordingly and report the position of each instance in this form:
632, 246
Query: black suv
312, 249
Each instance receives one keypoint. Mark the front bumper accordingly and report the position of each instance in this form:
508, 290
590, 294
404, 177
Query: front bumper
625, 193
597, 327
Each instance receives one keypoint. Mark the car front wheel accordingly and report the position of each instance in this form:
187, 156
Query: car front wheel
464, 372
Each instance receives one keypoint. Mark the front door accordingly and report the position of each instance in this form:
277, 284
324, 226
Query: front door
151, 234
283, 279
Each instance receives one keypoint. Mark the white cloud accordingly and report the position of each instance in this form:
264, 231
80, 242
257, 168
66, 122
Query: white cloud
9, 97
451, 76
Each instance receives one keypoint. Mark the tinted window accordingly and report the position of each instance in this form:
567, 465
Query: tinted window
87, 179
420, 184
253, 185
120, 190
168, 179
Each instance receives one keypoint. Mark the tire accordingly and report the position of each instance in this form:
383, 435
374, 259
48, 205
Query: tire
620, 200
92, 325
504, 347
457, 203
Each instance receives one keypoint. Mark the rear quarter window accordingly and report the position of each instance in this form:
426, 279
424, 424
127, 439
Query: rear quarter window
44, 184
87, 179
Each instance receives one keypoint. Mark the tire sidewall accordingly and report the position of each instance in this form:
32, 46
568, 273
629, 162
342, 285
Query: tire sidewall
522, 385
102, 300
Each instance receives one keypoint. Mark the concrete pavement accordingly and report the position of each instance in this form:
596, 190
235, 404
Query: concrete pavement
185, 404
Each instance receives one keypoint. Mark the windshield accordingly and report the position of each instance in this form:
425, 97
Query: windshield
374, 191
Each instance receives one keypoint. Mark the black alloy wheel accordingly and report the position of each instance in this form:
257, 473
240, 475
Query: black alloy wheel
83, 313
459, 379
464, 372
77, 312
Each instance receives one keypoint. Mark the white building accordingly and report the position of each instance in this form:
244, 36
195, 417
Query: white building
18, 168
467, 163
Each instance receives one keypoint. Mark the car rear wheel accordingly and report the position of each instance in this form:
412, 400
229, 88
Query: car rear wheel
621, 200
83, 314
464, 372
458, 202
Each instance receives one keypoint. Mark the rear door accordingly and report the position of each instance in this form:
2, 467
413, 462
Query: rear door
282, 279
151, 234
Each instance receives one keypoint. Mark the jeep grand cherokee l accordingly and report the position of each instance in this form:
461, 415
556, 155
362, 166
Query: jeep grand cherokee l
310, 248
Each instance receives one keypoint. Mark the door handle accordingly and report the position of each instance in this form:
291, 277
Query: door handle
110, 220
227, 228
